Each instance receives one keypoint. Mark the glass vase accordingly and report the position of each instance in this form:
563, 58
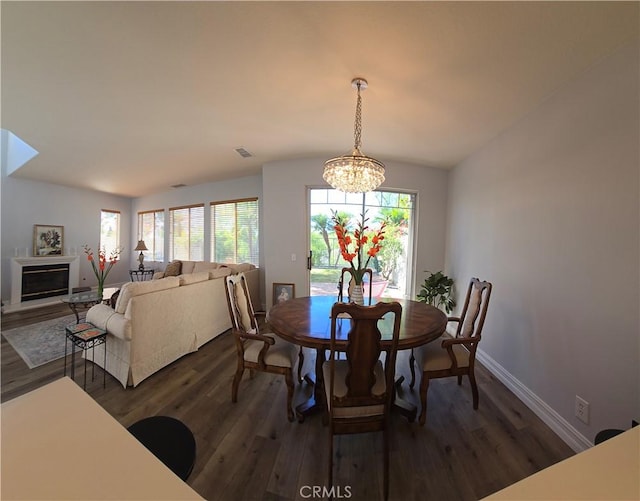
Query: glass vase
356, 293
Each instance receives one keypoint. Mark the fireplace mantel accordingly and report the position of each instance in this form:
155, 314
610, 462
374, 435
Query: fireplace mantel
17, 263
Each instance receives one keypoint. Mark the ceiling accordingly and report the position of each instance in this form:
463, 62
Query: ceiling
131, 98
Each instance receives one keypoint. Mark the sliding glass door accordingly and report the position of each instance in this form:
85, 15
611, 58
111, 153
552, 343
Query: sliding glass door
392, 267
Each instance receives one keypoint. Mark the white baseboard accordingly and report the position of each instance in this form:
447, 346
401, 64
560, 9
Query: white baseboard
560, 426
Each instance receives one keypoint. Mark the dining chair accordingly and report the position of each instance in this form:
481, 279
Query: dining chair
454, 355
256, 351
347, 271
358, 390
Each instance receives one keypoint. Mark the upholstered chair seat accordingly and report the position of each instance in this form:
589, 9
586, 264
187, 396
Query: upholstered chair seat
340, 389
280, 354
431, 356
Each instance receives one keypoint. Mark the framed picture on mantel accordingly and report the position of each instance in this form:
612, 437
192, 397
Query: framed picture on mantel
47, 240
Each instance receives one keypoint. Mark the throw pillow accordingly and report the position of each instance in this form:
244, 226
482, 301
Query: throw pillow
173, 269
114, 299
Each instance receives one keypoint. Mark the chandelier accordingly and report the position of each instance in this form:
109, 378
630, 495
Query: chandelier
355, 173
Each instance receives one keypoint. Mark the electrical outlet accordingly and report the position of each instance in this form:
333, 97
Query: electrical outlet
582, 409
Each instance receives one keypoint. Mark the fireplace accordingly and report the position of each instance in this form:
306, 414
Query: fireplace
38, 281
42, 281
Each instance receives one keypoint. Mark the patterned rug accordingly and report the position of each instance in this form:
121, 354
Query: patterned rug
40, 343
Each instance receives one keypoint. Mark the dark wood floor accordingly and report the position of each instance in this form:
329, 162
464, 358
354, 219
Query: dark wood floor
249, 450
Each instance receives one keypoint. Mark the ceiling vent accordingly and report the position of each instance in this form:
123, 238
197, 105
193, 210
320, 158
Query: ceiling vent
243, 153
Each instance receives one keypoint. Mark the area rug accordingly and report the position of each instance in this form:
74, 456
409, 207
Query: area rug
40, 343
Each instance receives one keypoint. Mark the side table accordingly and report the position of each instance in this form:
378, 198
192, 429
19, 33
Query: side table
85, 336
86, 299
141, 275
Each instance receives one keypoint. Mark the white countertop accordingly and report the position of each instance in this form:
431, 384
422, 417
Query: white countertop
610, 470
58, 443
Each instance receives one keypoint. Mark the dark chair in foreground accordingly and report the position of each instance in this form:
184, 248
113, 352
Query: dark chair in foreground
257, 351
341, 283
454, 355
358, 390
168, 439
604, 435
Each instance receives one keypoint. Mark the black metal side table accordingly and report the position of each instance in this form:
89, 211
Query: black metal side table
85, 336
141, 275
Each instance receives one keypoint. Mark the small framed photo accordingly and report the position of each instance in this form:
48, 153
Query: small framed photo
47, 240
283, 292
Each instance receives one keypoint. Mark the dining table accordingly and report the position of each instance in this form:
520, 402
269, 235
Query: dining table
306, 321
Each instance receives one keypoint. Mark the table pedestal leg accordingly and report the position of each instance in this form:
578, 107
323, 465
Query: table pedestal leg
316, 401
405, 408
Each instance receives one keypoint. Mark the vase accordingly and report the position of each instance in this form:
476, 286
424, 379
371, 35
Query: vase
100, 290
356, 293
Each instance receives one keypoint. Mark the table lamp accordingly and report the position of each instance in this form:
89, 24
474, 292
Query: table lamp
141, 247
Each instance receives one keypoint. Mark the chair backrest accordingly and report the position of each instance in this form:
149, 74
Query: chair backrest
475, 309
341, 283
241, 310
362, 353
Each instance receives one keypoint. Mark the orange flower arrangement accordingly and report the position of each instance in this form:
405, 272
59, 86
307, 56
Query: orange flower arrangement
359, 240
104, 266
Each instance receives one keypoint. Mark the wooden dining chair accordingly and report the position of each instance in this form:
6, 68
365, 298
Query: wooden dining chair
341, 283
256, 351
454, 355
358, 390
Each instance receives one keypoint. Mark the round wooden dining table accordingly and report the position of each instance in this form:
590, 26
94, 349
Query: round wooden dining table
306, 321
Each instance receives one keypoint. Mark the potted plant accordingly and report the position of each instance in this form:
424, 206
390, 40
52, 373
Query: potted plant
437, 290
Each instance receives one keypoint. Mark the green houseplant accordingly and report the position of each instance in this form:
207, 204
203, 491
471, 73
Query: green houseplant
437, 290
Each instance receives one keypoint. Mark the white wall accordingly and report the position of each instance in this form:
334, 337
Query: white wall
25, 203
286, 225
549, 212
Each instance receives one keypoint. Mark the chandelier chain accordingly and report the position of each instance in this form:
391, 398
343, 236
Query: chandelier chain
357, 128
355, 172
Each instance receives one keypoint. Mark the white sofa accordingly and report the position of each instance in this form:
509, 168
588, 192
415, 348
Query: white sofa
156, 322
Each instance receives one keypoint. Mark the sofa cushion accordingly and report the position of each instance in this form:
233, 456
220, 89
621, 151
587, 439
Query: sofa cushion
131, 289
219, 272
173, 269
192, 278
241, 267
204, 266
187, 267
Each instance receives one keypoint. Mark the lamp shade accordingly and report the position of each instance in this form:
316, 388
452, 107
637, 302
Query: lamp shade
141, 246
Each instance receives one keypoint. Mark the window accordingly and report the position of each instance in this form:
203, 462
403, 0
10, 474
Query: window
109, 231
151, 230
234, 231
186, 233
393, 265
